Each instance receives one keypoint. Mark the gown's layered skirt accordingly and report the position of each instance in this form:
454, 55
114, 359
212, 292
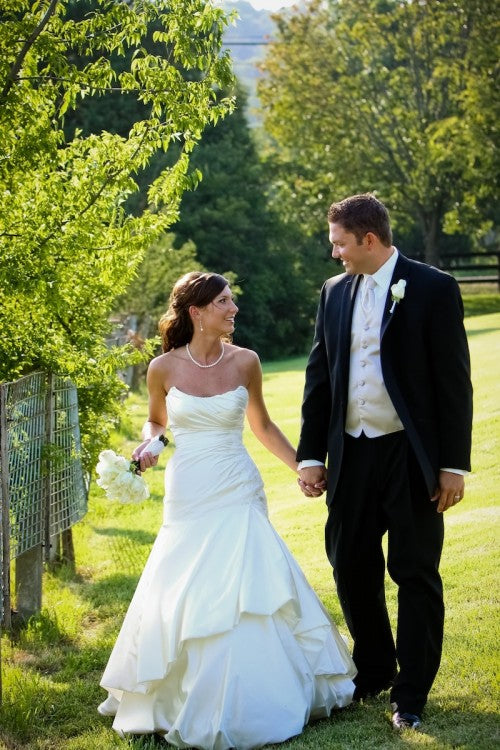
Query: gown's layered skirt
224, 644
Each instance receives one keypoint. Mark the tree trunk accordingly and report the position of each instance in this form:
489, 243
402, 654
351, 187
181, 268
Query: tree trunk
430, 223
68, 550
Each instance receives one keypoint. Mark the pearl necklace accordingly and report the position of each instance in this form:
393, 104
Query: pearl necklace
204, 366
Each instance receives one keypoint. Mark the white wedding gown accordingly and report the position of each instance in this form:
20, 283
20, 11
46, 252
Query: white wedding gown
225, 644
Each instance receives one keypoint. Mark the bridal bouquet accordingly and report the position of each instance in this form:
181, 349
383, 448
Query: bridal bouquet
118, 475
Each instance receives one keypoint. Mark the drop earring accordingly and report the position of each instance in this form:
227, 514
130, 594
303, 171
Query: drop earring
201, 326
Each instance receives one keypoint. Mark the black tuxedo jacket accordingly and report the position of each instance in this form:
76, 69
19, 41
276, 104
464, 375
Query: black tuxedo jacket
425, 365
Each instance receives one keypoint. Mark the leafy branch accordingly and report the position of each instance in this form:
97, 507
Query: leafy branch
16, 67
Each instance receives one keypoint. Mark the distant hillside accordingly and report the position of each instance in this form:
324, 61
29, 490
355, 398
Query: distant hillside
245, 40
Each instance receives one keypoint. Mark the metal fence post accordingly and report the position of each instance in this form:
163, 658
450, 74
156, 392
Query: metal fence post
50, 542
4, 511
4, 529
29, 562
29, 569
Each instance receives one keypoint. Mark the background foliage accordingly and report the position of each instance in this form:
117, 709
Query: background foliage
390, 96
68, 245
230, 221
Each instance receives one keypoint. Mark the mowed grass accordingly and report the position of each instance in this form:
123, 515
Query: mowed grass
52, 667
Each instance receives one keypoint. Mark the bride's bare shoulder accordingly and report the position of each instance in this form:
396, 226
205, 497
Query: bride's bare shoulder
244, 356
247, 363
166, 363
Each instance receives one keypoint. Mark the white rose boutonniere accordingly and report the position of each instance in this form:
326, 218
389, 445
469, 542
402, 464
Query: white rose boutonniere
397, 293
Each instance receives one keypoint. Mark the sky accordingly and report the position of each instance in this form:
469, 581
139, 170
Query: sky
271, 5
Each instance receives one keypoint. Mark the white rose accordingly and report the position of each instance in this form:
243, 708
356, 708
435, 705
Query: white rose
397, 293
398, 290
110, 462
106, 477
129, 488
139, 490
120, 483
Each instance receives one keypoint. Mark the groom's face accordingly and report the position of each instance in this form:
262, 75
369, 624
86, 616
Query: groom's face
354, 256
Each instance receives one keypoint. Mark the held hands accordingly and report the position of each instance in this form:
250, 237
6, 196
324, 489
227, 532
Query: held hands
450, 491
312, 480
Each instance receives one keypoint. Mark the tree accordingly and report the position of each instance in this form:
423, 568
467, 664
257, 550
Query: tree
472, 137
148, 294
68, 247
367, 96
229, 220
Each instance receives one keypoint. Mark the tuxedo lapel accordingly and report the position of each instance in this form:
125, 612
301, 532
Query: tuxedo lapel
346, 311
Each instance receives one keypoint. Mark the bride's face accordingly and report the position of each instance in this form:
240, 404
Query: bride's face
220, 313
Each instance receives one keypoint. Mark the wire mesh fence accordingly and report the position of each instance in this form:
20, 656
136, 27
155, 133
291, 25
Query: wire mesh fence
42, 484
67, 489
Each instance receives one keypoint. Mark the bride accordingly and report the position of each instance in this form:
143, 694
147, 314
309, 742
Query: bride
224, 645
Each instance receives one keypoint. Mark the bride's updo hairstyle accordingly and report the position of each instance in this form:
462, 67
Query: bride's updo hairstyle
194, 288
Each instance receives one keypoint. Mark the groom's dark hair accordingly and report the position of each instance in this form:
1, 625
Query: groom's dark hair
360, 214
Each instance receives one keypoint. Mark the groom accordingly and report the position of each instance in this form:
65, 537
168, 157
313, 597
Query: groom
388, 399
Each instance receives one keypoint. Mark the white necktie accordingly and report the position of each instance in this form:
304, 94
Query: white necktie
368, 298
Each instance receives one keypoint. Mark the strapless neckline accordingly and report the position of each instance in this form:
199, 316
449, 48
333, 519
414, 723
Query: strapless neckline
215, 395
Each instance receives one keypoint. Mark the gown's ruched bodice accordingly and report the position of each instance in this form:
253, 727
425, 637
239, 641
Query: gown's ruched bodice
224, 644
208, 435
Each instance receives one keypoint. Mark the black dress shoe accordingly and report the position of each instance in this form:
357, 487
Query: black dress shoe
363, 692
402, 720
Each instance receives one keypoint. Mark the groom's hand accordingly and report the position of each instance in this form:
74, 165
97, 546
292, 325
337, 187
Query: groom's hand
312, 480
450, 491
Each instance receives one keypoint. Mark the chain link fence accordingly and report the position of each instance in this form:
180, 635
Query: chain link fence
42, 486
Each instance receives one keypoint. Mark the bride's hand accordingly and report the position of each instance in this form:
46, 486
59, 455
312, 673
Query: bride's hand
146, 459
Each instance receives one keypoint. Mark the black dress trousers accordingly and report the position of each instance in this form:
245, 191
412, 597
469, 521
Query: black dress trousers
381, 489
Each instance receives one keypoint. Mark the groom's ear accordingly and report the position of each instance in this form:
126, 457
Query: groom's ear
371, 240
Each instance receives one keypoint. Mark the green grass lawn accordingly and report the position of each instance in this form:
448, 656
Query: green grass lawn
51, 668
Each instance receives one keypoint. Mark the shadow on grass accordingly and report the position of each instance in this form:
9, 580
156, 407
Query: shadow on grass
37, 707
480, 303
139, 536
110, 593
481, 331
42, 645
